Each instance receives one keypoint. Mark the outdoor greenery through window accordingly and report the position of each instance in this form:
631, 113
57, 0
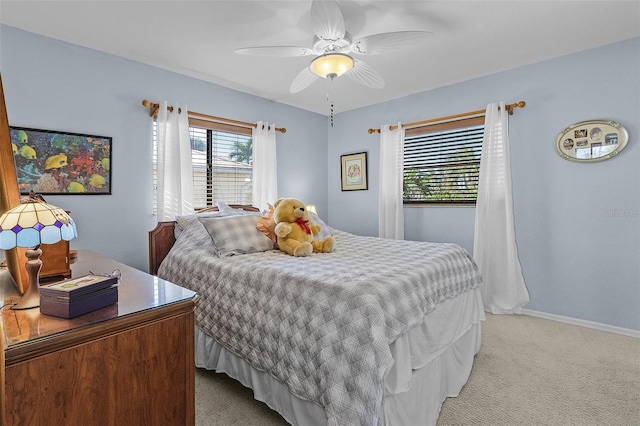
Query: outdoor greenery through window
222, 163
442, 162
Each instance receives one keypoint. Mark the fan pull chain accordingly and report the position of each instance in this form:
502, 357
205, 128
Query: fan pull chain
330, 100
331, 113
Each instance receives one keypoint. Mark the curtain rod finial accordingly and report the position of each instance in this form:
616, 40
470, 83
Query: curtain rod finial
511, 107
153, 108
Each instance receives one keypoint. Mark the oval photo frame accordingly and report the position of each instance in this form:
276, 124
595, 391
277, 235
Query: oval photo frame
591, 141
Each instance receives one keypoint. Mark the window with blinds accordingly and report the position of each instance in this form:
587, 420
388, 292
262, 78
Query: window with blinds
222, 163
442, 162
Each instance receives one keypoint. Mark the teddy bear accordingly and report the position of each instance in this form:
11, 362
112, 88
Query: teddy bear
294, 230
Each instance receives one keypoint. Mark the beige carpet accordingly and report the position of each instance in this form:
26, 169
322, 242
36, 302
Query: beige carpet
529, 371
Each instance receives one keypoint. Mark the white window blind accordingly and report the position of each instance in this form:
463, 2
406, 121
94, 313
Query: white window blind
442, 162
222, 163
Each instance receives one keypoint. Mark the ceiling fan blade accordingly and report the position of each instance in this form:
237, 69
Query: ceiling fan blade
275, 51
327, 20
303, 80
389, 42
365, 74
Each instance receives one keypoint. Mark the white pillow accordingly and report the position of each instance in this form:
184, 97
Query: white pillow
230, 211
183, 221
233, 235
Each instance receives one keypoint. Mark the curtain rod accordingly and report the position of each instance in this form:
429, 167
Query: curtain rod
153, 112
509, 109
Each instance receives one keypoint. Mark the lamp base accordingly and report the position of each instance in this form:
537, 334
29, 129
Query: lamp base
31, 297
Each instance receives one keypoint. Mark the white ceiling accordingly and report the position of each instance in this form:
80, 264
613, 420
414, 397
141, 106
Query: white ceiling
198, 38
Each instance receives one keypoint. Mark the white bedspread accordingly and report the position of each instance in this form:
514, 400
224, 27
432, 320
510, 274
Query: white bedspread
322, 325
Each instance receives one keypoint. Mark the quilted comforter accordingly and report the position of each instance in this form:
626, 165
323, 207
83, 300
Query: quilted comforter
322, 325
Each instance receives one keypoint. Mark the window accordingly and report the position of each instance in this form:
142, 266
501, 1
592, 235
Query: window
221, 156
442, 162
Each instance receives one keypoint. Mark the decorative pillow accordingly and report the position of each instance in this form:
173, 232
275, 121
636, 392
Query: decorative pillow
234, 235
267, 225
230, 211
183, 221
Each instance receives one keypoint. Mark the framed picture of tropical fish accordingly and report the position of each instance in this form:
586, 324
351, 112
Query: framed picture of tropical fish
54, 162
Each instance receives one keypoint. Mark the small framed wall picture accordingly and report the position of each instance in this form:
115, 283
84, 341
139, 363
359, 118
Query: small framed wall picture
354, 171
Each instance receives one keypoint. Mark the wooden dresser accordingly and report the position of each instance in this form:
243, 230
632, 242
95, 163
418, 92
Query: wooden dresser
131, 363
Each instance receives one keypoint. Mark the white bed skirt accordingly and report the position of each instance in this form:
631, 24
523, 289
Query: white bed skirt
431, 362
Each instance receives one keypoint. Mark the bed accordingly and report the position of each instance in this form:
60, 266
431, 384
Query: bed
377, 332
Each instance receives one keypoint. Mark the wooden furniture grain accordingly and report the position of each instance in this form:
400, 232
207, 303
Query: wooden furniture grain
55, 261
10, 195
2, 392
161, 239
129, 363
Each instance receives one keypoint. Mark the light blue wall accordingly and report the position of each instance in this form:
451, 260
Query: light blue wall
58, 86
577, 225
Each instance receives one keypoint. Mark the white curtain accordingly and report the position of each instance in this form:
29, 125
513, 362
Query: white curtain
494, 246
391, 221
265, 168
175, 175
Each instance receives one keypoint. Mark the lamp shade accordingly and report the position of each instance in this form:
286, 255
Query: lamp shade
331, 65
33, 223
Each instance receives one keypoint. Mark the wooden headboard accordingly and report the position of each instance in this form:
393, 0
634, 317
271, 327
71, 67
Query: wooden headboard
162, 237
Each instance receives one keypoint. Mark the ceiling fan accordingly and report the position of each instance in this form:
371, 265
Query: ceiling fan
333, 46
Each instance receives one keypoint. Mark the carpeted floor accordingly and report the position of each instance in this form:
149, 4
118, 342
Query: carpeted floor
530, 371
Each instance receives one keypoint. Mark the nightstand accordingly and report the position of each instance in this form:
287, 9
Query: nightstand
129, 363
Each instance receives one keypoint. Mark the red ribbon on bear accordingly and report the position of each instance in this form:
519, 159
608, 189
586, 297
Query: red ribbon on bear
303, 223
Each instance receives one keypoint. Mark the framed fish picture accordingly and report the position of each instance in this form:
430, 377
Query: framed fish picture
54, 162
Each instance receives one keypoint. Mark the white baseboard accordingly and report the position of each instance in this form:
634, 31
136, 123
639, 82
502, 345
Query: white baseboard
584, 323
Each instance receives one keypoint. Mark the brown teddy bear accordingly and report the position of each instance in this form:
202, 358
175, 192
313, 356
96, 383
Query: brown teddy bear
295, 232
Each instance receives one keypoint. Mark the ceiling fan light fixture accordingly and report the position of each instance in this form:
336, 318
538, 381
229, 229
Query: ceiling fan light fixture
331, 65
